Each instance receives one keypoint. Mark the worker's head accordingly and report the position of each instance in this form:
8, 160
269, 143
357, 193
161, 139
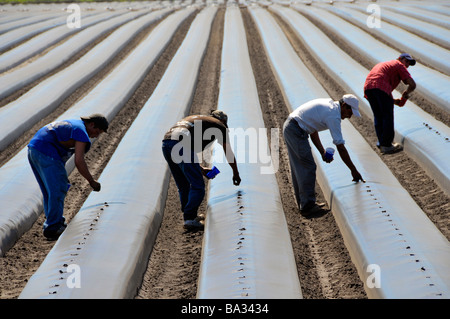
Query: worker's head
349, 106
221, 116
406, 59
95, 124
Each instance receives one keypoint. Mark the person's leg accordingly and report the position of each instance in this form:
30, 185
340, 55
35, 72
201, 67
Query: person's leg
177, 173
375, 105
31, 160
387, 109
52, 178
194, 175
382, 106
303, 166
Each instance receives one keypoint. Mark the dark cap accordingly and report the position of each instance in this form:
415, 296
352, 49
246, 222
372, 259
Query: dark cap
220, 115
98, 119
408, 57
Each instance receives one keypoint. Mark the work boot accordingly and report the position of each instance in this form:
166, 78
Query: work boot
394, 148
193, 224
54, 234
311, 209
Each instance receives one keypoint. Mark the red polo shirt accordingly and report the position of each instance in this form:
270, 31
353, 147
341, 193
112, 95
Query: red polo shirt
386, 76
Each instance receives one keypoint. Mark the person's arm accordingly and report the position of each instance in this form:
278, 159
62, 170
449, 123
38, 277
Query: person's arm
82, 167
405, 95
232, 162
204, 170
347, 160
411, 87
318, 144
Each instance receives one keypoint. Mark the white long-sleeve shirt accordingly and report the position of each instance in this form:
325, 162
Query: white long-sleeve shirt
319, 115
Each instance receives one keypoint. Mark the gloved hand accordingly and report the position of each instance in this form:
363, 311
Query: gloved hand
400, 102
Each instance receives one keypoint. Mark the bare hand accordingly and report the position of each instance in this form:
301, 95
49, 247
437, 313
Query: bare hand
236, 179
95, 185
357, 177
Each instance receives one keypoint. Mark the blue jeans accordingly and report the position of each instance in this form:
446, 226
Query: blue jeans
301, 160
52, 178
188, 178
382, 105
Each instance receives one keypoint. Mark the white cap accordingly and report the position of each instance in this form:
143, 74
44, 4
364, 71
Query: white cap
353, 101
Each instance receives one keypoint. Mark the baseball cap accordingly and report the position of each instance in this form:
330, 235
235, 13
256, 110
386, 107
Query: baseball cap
98, 119
408, 57
220, 115
353, 101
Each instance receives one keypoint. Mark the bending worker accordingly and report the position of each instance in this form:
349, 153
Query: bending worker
180, 146
306, 121
380, 82
49, 150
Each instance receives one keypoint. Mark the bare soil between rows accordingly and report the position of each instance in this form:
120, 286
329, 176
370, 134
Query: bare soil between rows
324, 266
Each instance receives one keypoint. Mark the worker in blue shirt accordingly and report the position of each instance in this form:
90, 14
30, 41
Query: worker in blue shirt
49, 150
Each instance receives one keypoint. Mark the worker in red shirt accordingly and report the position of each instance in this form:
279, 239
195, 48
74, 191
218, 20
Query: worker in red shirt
381, 81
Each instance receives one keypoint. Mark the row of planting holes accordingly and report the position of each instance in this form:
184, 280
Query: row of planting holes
384, 212
436, 131
239, 245
80, 245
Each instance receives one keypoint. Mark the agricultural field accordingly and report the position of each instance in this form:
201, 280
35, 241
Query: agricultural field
147, 64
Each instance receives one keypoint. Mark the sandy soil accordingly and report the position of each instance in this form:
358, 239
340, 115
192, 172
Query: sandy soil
324, 265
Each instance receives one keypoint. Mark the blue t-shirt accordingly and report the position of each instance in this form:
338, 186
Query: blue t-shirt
47, 139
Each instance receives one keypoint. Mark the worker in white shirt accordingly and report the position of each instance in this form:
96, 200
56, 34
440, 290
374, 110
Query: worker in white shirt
307, 121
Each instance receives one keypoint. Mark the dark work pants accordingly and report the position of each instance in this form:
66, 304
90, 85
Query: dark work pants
188, 177
382, 105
